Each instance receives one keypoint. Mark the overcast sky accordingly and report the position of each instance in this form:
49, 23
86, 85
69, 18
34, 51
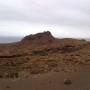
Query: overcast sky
64, 18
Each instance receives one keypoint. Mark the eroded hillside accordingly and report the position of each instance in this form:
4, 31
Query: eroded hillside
42, 53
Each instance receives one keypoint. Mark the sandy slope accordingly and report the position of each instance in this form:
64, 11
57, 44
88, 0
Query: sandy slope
49, 81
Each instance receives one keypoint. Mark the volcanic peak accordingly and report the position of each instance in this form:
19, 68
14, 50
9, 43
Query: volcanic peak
39, 36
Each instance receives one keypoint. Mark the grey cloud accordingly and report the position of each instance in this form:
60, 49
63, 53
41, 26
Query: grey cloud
57, 11
75, 13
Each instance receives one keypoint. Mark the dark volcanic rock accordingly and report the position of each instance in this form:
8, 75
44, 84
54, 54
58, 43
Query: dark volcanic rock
39, 38
67, 81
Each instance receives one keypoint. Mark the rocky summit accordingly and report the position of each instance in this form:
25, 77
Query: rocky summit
42, 53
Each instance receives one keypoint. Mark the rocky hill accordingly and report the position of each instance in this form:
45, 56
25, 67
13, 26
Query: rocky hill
42, 53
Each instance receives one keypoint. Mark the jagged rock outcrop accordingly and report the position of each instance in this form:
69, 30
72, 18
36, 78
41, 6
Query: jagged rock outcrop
39, 38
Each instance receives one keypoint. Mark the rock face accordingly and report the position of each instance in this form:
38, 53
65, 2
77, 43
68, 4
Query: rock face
42, 53
45, 37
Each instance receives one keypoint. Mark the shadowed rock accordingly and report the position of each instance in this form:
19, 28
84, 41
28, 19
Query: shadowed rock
39, 37
67, 81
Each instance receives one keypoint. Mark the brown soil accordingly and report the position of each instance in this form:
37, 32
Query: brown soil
49, 81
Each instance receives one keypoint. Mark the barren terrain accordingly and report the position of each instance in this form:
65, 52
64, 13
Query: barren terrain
50, 58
